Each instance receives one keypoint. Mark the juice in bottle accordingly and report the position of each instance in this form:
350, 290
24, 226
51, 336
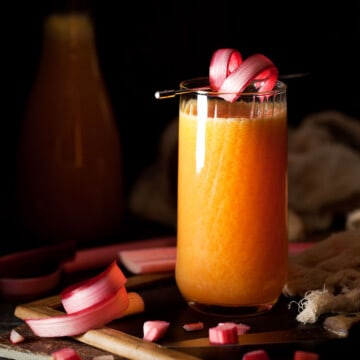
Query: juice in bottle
232, 202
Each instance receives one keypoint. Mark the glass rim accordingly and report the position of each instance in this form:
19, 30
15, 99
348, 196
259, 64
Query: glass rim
201, 85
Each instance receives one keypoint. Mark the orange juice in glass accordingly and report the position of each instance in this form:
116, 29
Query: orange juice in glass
232, 244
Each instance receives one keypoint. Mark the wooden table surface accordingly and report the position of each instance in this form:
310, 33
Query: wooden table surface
165, 303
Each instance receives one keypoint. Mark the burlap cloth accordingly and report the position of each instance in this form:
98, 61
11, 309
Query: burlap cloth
326, 277
324, 170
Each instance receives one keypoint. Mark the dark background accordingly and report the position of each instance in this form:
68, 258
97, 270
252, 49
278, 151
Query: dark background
153, 45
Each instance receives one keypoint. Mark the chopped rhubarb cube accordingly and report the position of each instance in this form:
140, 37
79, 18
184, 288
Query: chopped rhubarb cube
256, 355
194, 326
16, 337
154, 330
223, 334
66, 353
241, 328
305, 355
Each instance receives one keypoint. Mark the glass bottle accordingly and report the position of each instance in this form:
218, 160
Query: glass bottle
70, 184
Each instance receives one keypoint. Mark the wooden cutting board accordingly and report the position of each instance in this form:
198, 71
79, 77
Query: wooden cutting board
40, 349
103, 341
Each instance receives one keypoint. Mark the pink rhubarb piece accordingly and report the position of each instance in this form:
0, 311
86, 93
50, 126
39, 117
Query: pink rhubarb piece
155, 329
140, 261
193, 326
256, 355
223, 334
66, 353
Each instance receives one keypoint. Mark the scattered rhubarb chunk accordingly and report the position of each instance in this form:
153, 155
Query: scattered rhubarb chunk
193, 326
256, 355
223, 334
155, 329
141, 261
305, 355
66, 353
16, 337
241, 328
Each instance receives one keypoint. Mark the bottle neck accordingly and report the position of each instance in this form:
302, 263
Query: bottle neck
71, 30
68, 42
68, 6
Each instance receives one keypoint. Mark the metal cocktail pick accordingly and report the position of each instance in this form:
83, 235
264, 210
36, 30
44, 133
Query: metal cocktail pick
165, 94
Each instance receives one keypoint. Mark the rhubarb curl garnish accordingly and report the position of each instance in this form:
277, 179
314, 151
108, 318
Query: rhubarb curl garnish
230, 75
88, 293
89, 305
222, 64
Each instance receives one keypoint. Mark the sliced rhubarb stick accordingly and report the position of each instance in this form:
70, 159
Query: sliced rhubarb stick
79, 322
155, 329
140, 261
30, 287
223, 334
35, 261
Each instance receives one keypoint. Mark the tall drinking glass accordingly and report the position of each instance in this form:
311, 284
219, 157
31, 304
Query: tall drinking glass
232, 243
